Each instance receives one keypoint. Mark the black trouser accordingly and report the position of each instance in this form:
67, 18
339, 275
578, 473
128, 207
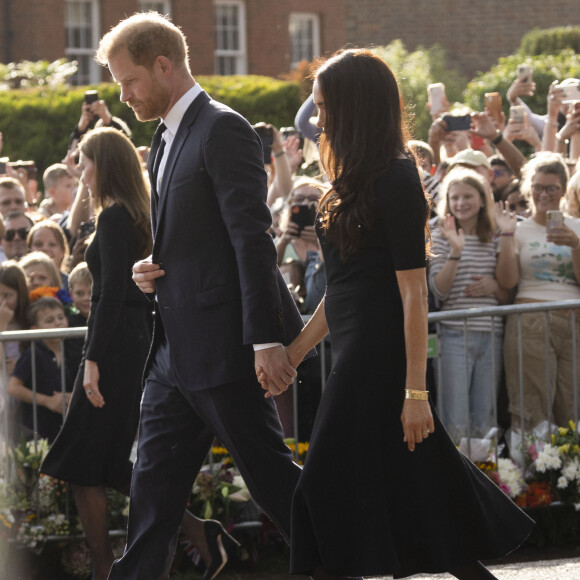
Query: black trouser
175, 434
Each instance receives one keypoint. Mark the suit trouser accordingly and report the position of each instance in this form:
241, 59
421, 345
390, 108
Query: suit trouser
175, 434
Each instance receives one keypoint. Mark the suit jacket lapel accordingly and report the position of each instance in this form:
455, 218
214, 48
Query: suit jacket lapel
178, 142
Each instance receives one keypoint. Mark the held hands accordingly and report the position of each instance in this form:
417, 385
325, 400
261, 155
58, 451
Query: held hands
417, 422
145, 272
91, 384
274, 370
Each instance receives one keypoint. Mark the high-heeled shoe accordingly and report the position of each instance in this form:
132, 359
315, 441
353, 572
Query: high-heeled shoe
221, 547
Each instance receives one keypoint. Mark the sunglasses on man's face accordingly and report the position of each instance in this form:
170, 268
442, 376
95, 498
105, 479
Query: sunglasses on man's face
22, 233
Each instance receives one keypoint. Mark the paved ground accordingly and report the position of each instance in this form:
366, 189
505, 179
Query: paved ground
568, 569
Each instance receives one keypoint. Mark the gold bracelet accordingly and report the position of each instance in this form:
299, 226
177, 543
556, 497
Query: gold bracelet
416, 394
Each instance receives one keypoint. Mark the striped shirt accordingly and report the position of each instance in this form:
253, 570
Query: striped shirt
477, 258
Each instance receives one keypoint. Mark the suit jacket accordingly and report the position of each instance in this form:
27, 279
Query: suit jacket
222, 291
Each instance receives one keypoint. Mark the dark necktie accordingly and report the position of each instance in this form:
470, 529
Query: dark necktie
160, 143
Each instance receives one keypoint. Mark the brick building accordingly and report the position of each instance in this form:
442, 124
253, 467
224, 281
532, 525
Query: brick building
269, 36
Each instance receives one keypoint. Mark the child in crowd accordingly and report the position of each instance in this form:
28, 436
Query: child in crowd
46, 312
59, 190
48, 237
80, 286
40, 271
13, 305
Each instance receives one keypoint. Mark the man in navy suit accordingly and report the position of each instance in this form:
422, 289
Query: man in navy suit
221, 307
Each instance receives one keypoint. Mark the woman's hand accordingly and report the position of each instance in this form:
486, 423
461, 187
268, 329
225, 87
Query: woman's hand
308, 234
417, 422
455, 237
293, 152
506, 221
290, 233
91, 384
563, 236
6, 316
482, 286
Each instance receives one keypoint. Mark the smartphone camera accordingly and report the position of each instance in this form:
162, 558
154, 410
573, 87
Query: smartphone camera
303, 215
28, 166
91, 97
458, 123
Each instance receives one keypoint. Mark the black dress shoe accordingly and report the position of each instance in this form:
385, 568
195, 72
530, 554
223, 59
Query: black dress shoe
221, 547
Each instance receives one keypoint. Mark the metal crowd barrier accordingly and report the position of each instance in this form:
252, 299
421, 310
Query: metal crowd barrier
433, 352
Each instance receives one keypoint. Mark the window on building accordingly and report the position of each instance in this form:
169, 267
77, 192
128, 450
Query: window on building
304, 31
82, 35
163, 7
230, 27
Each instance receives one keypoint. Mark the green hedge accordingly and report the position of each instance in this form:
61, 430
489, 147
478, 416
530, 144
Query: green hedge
551, 40
36, 123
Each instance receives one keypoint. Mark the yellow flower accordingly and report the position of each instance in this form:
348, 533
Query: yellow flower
576, 449
564, 448
553, 439
572, 425
563, 431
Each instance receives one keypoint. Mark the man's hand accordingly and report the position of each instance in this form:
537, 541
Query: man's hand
145, 272
274, 370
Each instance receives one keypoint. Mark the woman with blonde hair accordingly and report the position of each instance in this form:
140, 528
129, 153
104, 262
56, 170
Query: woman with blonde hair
48, 237
462, 275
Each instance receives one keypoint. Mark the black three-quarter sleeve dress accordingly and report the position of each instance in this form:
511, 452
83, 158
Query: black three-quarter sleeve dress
94, 444
365, 505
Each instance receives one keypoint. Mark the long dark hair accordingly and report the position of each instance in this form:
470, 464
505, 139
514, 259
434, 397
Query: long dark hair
364, 131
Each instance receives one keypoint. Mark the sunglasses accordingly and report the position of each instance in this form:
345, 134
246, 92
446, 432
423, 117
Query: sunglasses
22, 233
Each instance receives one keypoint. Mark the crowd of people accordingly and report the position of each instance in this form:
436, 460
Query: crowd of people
504, 228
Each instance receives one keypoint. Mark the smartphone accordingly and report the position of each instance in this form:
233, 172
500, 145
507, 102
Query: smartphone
86, 228
28, 166
570, 89
436, 92
266, 135
458, 123
3, 164
303, 215
555, 219
525, 73
518, 114
493, 104
91, 97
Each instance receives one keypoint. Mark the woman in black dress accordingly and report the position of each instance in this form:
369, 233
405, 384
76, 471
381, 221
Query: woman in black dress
93, 447
383, 490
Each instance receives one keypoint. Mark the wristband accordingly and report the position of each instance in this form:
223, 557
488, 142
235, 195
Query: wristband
454, 257
417, 395
279, 154
507, 234
560, 139
498, 139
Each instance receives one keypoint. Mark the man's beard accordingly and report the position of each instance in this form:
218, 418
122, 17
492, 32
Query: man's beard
155, 106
